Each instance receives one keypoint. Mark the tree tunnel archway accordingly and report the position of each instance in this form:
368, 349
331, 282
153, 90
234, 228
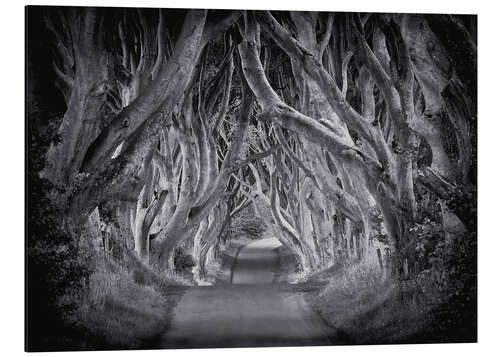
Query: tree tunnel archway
177, 120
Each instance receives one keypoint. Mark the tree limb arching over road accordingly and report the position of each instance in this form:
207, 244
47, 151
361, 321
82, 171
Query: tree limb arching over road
170, 150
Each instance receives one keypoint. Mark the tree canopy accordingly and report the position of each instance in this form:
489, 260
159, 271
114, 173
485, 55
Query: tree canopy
342, 131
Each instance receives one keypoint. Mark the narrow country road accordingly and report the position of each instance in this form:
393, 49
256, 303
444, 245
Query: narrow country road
249, 312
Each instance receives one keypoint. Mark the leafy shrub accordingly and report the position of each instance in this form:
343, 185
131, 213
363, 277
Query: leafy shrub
183, 261
449, 283
246, 223
56, 266
447, 268
376, 219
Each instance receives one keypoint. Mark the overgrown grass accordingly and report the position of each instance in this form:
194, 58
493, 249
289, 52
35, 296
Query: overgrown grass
121, 310
364, 306
123, 307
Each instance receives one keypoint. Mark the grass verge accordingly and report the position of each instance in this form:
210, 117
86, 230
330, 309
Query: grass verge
125, 306
363, 306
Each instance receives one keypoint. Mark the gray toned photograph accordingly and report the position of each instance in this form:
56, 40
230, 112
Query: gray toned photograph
246, 178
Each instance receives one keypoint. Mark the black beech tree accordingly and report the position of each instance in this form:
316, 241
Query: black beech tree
177, 120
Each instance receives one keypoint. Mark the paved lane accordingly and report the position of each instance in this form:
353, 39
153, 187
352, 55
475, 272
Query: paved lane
250, 312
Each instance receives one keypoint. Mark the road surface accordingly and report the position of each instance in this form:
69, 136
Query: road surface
249, 312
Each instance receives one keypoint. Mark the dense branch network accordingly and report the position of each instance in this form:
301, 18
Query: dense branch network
176, 121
